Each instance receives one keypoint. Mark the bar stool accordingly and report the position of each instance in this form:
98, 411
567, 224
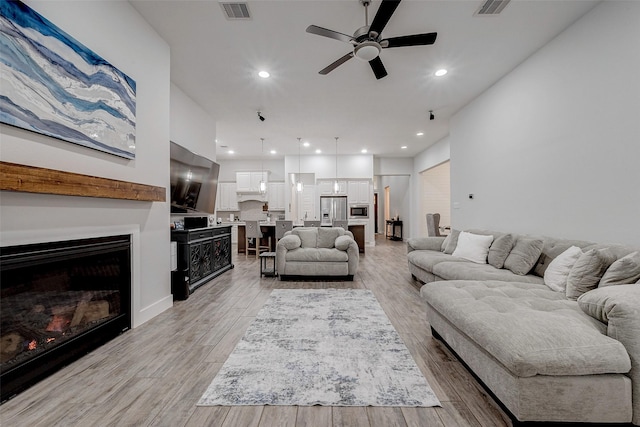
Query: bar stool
341, 223
312, 223
253, 232
282, 227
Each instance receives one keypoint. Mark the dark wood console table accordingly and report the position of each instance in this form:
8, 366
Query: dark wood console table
203, 254
391, 226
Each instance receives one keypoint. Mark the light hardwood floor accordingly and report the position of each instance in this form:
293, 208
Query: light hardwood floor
154, 375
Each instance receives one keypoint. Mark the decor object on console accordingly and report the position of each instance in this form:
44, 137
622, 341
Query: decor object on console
320, 347
317, 252
55, 86
543, 355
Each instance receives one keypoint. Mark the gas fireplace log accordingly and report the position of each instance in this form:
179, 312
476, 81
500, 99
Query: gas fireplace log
89, 311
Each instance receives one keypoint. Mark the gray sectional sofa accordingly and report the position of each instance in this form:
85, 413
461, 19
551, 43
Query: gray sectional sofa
563, 355
321, 252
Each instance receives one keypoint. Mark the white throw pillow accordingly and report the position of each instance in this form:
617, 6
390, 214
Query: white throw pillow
473, 247
555, 276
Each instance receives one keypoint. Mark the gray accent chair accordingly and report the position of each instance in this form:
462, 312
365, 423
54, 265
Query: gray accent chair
433, 225
317, 252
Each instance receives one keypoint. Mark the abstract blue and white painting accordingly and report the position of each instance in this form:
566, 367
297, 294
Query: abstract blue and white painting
53, 85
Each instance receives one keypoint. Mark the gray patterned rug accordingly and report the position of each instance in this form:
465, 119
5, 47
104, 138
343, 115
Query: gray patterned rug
320, 347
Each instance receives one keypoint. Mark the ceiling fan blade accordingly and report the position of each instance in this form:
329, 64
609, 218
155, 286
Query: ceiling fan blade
314, 29
378, 67
386, 9
336, 64
412, 40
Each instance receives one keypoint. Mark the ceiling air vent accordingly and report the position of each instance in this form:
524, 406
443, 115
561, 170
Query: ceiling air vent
492, 7
236, 10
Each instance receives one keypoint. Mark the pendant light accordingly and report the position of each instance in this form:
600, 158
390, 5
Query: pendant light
299, 185
336, 186
263, 183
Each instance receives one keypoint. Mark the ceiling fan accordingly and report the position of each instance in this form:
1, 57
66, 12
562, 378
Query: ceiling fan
367, 41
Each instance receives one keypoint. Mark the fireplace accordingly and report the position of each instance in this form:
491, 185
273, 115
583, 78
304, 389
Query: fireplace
58, 301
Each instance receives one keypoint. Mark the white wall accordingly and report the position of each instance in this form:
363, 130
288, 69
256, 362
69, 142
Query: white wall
229, 167
191, 126
554, 147
116, 32
434, 155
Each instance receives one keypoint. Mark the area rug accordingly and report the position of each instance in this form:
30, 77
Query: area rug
320, 347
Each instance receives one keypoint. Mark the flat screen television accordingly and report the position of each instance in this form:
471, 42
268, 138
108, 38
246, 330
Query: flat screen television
194, 182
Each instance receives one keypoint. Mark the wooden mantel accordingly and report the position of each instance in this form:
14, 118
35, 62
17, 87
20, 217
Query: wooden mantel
31, 179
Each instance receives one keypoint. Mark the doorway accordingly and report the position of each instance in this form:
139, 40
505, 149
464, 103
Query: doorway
435, 195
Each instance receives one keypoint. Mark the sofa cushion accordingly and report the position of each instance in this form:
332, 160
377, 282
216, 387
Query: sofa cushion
327, 236
528, 328
473, 247
524, 255
587, 272
452, 241
626, 270
556, 274
426, 260
308, 236
500, 249
317, 255
469, 271
553, 247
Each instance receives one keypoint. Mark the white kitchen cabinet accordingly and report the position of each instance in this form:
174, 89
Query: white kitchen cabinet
275, 193
227, 198
358, 192
326, 187
249, 182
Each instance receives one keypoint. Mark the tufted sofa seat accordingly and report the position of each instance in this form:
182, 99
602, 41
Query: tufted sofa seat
545, 355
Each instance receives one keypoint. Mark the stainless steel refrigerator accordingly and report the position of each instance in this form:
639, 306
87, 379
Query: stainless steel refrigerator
333, 208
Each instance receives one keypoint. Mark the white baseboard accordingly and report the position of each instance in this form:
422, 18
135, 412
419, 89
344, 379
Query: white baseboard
151, 311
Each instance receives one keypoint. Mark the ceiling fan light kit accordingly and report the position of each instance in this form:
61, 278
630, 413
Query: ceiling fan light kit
367, 41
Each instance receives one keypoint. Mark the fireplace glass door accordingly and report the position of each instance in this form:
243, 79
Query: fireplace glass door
58, 301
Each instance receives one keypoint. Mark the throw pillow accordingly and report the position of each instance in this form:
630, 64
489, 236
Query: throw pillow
601, 305
623, 271
308, 237
499, 250
556, 274
453, 241
524, 255
290, 242
343, 242
327, 237
473, 247
587, 272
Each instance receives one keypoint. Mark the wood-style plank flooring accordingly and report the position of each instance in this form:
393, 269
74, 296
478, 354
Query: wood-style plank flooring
154, 375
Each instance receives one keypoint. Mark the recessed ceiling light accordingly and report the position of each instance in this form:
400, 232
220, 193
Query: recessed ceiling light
364, 150
230, 151
306, 144
419, 133
404, 147
273, 151
441, 72
264, 74
318, 151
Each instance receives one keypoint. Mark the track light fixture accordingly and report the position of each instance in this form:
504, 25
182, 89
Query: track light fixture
261, 117
431, 116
